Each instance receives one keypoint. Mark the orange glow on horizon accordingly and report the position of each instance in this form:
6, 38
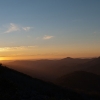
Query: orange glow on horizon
47, 57
2, 58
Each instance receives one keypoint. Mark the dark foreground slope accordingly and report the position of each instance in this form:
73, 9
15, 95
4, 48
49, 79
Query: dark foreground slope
18, 86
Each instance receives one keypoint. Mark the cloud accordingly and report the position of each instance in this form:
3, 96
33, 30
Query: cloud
46, 37
12, 28
16, 48
26, 28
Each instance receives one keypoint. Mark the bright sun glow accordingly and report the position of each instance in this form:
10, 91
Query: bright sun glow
2, 58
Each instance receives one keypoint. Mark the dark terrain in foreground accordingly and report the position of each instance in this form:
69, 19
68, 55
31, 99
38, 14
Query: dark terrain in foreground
17, 86
75, 79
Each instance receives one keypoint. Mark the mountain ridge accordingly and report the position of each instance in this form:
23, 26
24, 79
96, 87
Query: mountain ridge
18, 86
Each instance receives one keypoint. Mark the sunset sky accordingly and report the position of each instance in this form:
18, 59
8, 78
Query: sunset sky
36, 29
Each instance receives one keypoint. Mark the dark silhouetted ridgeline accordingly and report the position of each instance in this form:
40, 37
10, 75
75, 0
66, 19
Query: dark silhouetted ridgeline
73, 74
18, 86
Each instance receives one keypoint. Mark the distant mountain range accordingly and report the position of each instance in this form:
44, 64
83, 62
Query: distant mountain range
80, 75
17, 86
47, 69
50, 70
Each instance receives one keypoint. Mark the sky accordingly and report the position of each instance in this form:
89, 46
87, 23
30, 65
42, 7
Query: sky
39, 29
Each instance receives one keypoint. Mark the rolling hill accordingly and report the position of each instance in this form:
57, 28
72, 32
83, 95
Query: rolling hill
85, 79
81, 81
17, 86
80, 75
47, 69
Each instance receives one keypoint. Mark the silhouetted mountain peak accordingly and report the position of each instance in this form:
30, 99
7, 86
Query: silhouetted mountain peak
98, 58
67, 58
95, 61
